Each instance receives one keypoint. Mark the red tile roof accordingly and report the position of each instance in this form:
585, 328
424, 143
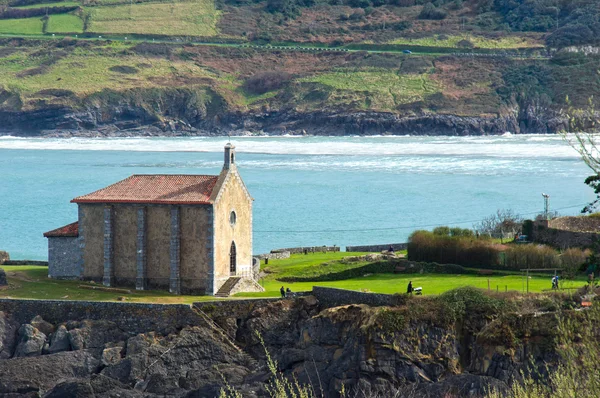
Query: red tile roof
71, 230
155, 189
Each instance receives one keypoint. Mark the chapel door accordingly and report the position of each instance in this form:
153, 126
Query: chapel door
232, 259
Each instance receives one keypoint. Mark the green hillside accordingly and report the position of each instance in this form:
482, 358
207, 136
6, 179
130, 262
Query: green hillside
491, 59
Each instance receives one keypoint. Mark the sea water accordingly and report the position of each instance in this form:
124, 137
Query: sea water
307, 190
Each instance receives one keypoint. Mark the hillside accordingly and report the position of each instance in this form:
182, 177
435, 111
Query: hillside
289, 66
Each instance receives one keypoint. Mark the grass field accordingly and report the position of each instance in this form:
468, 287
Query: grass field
312, 265
32, 282
389, 89
198, 18
65, 23
506, 42
25, 26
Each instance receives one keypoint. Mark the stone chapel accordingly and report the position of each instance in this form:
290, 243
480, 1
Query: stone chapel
190, 234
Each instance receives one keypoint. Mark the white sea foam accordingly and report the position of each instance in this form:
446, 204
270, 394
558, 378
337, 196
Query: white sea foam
514, 146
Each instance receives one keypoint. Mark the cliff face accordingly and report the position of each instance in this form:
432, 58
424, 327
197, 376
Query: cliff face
204, 113
356, 348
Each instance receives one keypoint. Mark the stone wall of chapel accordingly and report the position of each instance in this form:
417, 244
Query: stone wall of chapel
91, 231
125, 244
233, 197
158, 235
196, 248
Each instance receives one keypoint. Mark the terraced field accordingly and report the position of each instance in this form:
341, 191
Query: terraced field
198, 18
25, 26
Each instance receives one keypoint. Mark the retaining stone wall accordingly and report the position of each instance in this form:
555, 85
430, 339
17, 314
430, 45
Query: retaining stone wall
562, 238
64, 258
26, 262
377, 248
274, 256
310, 249
330, 297
135, 318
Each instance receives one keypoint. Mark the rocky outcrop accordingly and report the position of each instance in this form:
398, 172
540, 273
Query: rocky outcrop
365, 350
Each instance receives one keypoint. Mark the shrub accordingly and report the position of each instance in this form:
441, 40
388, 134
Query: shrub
572, 260
469, 300
264, 82
465, 43
430, 11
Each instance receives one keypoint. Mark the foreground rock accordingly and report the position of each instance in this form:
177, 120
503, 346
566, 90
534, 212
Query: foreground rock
417, 349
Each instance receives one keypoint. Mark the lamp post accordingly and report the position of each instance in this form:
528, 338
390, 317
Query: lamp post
546, 198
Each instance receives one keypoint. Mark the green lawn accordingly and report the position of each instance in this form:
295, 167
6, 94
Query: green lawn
32, 282
65, 23
25, 26
431, 283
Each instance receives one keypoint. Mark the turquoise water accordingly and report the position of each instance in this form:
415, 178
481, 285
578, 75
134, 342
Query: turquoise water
307, 190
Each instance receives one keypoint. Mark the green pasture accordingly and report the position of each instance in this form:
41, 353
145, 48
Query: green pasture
83, 73
388, 89
65, 23
25, 26
501, 43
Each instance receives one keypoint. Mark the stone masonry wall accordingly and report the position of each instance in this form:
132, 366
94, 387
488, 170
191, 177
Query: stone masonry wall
377, 248
64, 258
543, 232
299, 250
274, 256
133, 317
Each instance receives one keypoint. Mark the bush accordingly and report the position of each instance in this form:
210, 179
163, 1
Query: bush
264, 82
430, 11
572, 260
469, 300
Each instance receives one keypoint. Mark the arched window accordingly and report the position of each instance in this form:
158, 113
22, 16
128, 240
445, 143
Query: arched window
232, 218
232, 158
232, 259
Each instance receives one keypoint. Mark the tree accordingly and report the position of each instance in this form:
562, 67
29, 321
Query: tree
504, 223
583, 134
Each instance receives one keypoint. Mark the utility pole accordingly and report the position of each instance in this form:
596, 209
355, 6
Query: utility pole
546, 198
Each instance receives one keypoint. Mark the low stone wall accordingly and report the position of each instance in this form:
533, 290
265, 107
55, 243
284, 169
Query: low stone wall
330, 297
133, 317
274, 256
310, 249
26, 262
377, 248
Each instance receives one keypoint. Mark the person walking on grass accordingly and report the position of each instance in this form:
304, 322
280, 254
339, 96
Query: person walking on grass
409, 288
282, 291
